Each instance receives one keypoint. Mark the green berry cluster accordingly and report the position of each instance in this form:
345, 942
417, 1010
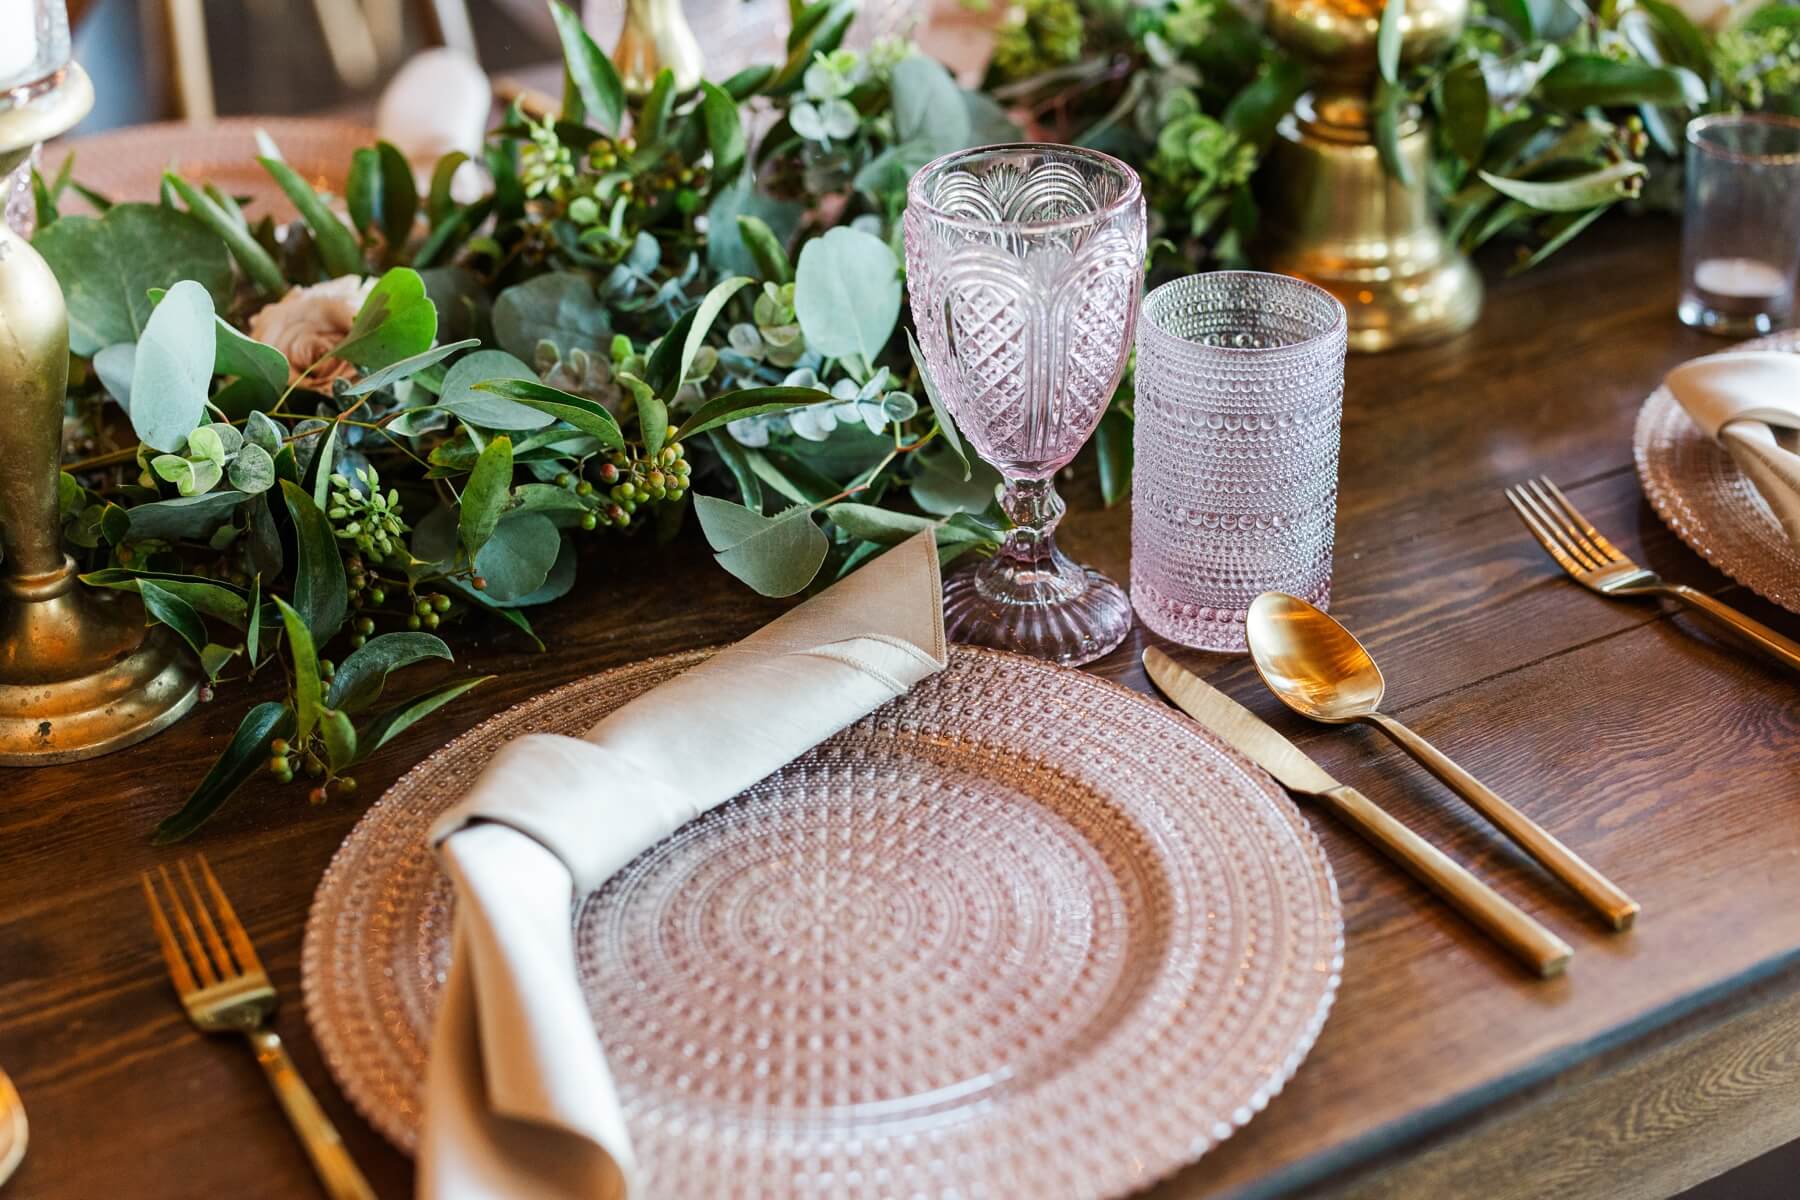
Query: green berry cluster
630, 479
365, 516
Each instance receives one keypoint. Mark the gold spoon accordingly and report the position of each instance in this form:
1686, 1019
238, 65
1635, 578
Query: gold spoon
1317, 668
12, 1128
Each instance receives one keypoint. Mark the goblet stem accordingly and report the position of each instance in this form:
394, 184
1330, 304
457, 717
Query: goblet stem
1030, 597
1035, 510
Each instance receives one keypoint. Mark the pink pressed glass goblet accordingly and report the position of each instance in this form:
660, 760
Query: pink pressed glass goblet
1024, 264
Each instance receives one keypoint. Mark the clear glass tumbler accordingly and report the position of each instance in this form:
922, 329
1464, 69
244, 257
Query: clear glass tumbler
1740, 237
1240, 387
1024, 264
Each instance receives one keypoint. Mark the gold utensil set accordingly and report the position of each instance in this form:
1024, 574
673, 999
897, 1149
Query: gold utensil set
1317, 668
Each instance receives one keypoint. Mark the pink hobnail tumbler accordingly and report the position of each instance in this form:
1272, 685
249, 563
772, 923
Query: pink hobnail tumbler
1240, 386
1024, 264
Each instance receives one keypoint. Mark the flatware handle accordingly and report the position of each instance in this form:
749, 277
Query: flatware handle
1777, 646
1492, 913
1599, 891
337, 1171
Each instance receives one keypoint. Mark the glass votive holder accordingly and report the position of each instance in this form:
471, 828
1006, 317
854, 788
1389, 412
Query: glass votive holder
1740, 236
1240, 387
34, 43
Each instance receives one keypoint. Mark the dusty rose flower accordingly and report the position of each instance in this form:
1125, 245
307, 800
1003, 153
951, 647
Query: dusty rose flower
307, 323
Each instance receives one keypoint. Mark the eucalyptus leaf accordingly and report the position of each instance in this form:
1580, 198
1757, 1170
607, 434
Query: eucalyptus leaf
107, 266
940, 487
1464, 104
114, 365
309, 692
173, 367
561, 308
247, 754
602, 96
724, 130
166, 607
485, 408
890, 528
1568, 195
321, 594
1583, 80
847, 293
240, 355
340, 738
765, 249
777, 556
939, 409
360, 677
391, 723
261, 430
396, 322
252, 470
207, 596
256, 261
485, 496
337, 246
726, 252
1387, 39
185, 517
516, 559
406, 368
584, 414
748, 402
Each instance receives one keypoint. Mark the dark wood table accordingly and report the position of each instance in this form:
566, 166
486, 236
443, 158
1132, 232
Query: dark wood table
1661, 754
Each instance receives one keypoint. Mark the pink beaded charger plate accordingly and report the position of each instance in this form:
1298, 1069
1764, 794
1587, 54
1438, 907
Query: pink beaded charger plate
1700, 493
1021, 932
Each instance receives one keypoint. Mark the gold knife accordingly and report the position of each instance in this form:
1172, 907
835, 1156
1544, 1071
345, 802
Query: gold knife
1238, 727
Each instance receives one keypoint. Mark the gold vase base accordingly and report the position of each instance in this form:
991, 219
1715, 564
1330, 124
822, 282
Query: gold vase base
81, 675
1389, 310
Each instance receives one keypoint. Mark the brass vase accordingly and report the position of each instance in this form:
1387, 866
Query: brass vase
1332, 213
80, 673
657, 35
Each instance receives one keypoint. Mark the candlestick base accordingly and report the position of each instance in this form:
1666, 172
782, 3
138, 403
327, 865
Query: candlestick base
80, 674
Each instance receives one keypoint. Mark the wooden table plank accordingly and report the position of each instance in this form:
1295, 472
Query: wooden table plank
1648, 745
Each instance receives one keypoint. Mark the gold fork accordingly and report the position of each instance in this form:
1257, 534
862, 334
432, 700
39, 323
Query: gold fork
223, 998
1599, 566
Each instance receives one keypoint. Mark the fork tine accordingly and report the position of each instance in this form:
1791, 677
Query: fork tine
1586, 557
1551, 546
196, 952
1567, 552
1571, 529
221, 959
165, 938
234, 928
1612, 552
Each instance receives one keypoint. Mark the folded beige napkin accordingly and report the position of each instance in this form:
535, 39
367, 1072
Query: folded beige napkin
1736, 398
519, 1104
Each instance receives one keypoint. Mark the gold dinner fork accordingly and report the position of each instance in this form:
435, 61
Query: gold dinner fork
223, 998
1599, 566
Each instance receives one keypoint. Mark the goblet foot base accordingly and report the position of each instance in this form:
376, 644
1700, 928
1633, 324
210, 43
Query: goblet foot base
1069, 616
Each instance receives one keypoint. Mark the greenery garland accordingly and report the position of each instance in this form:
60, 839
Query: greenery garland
648, 312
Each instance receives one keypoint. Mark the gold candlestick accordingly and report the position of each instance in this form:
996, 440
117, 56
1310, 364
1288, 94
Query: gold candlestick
1331, 212
657, 35
79, 672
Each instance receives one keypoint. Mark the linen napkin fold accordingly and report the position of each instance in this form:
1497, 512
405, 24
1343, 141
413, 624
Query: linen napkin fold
1737, 398
519, 1104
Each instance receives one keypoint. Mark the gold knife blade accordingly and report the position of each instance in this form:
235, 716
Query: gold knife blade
1237, 726
1247, 733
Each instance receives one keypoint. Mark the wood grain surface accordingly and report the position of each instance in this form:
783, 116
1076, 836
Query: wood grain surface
1655, 750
